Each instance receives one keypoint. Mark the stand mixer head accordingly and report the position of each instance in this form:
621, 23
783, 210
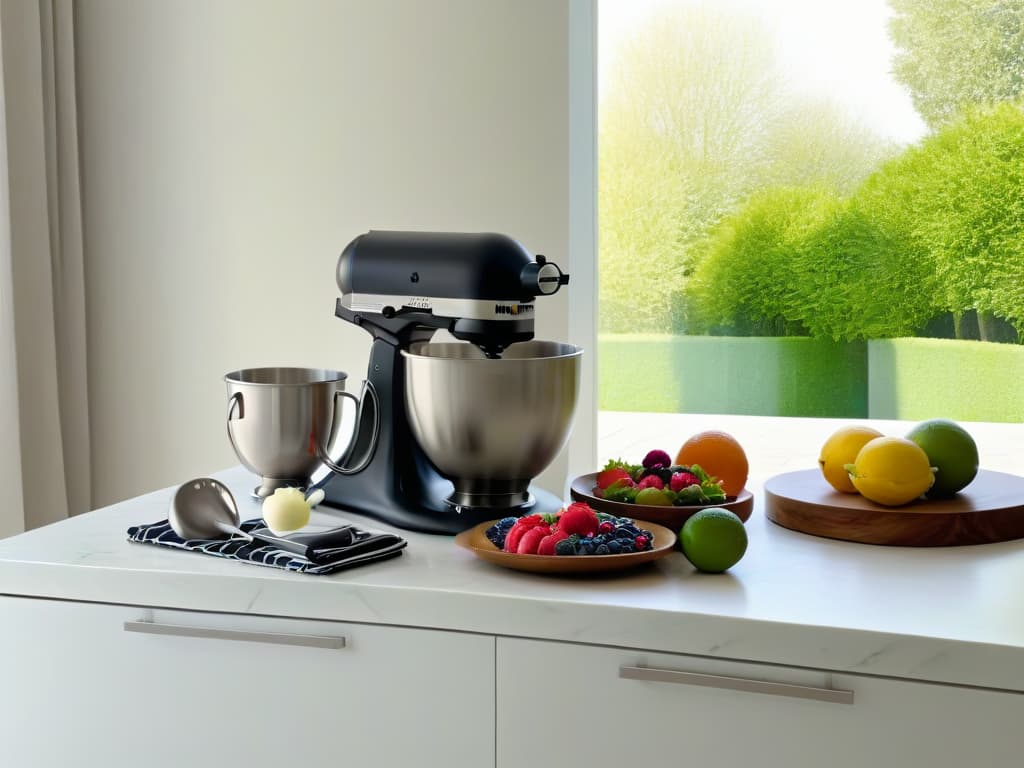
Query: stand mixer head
463, 428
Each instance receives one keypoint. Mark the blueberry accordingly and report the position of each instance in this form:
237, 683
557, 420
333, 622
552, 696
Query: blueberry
585, 547
614, 547
602, 550
565, 547
627, 548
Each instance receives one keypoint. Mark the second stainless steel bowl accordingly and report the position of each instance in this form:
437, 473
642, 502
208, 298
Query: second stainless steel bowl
491, 426
281, 421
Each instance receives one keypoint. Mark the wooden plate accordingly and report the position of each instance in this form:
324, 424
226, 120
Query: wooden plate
673, 517
990, 509
477, 542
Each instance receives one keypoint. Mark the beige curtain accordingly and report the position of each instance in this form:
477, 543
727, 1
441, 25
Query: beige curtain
44, 420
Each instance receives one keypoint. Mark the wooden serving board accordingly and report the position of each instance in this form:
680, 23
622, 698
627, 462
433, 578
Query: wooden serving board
990, 509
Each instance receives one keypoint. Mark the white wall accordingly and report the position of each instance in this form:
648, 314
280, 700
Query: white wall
231, 149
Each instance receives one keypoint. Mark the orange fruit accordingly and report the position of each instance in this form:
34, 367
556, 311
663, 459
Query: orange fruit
720, 455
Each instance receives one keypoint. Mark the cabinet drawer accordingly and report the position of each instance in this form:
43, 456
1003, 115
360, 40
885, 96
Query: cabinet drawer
97, 685
579, 705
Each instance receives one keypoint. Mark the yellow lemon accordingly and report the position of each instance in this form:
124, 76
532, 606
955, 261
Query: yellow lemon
842, 449
891, 471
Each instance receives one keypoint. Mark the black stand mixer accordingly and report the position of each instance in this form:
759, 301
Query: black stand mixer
467, 408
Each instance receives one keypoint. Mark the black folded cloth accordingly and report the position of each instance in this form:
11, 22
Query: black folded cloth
317, 552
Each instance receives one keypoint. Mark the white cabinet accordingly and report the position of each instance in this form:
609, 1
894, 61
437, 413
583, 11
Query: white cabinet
576, 705
79, 689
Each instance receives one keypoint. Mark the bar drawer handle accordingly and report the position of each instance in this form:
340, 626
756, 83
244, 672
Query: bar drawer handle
832, 695
277, 638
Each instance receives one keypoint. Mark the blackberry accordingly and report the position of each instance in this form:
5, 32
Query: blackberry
662, 473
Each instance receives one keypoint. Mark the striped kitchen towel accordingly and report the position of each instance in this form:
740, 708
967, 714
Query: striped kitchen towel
364, 547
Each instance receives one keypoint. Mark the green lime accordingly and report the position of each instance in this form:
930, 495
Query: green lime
653, 496
713, 540
951, 450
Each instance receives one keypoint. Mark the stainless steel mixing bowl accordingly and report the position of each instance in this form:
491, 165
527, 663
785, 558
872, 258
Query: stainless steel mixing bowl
284, 422
491, 425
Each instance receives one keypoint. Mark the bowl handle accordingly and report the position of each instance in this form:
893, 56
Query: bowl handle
235, 402
368, 400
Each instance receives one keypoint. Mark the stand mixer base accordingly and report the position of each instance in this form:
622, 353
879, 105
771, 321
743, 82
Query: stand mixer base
442, 518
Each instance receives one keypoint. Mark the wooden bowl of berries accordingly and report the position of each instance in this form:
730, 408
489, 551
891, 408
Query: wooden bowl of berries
658, 491
577, 539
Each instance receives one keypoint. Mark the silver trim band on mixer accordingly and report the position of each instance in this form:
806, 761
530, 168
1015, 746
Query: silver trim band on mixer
473, 309
746, 685
276, 638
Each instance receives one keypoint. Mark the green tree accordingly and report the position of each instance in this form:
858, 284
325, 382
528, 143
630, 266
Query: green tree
817, 142
954, 53
957, 202
799, 261
749, 278
695, 119
939, 229
677, 128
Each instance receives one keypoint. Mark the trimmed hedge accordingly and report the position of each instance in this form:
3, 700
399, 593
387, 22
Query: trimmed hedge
780, 376
945, 378
718, 374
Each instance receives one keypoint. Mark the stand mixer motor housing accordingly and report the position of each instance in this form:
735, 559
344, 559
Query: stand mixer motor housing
402, 287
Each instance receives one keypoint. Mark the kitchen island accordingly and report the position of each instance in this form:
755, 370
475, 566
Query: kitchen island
809, 652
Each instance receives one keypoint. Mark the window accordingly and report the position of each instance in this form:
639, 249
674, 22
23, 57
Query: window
812, 208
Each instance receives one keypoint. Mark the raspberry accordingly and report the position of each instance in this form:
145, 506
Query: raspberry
651, 481
682, 480
641, 542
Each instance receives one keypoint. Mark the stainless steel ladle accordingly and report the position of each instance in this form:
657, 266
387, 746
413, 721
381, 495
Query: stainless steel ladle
205, 509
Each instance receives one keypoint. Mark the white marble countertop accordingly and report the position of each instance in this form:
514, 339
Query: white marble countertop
952, 615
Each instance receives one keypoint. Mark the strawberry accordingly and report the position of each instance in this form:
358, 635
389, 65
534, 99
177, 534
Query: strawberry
531, 539
547, 544
609, 476
579, 519
521, 526
651, 481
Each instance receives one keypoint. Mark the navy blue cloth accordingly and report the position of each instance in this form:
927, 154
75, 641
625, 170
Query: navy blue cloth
366, 547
